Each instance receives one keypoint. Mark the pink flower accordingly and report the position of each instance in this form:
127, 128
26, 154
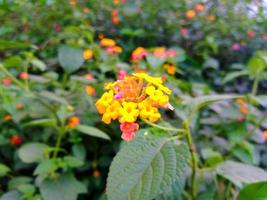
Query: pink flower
128, 130
264, 37
171, 53
184, 32
235, 47
6, 81
251, 34
121, 74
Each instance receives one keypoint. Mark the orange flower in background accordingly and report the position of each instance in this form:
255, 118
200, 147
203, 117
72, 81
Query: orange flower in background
96, 173
73, 122
160, 52
242, 103
23, 75
89, 76
170, 68
190, 14
6, 81
106, 42
113, 50
87, 54
139, 53
211, 18
15, 140
265, 135
101, 36
90, 90
115, 17
19, 106
86, 10
116, 2
73, 2
133, 96
7, 118
199, 7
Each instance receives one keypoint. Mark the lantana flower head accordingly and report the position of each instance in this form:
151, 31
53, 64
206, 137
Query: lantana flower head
133, 96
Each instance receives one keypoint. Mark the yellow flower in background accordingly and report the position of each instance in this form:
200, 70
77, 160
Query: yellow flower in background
106, 42
130, 97
87, 54
7, 118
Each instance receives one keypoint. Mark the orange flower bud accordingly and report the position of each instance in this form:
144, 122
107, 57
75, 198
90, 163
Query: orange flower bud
199, 7
190, 14
96, 173
15, 140
87, 54
90, 90
73, 121
19, 106
23, 75
7, 118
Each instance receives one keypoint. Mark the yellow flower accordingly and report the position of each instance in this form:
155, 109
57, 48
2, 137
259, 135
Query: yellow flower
129, 112
105, 100
112, 112
157, 81
106, 42
87, 54
157, 96
147, 111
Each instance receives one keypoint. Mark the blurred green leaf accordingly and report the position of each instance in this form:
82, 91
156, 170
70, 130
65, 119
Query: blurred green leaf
32, 152
64, 187
92, 131
70, 58
254, 191
3, 170
240, 174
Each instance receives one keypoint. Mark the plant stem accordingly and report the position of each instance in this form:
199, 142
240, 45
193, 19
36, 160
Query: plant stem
255, 86
164, 128
194, 163
58, 143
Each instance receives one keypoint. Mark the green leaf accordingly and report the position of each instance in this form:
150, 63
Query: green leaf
72, 161
89, 130
12, 195
40, 122
70, 58
254, 191
3, 170
12, 44
65, 187
13, 61
45, 167
240, 174
256, 65
174, 192
211, 156
32, 152
79, 151
53, 97
233, 75
146, 167
38, 64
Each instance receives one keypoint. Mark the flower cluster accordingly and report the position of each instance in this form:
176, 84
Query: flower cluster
139, 95
110, 46
160, 52
242, 104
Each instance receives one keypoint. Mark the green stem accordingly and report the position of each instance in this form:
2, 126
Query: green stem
164, 128
255, 86
58, 143
194, 163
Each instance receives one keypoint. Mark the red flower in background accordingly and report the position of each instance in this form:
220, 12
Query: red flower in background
251, 34
6, 81
15, 140
23, 75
